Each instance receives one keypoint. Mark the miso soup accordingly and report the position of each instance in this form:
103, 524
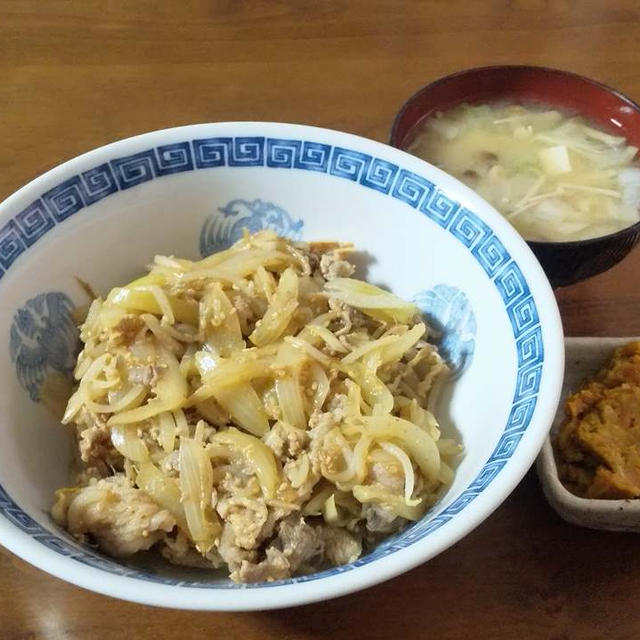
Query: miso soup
554, 176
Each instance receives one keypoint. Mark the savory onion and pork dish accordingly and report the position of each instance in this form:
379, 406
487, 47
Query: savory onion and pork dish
258, 410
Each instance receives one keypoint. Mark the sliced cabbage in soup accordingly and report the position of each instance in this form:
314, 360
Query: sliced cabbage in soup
554, 176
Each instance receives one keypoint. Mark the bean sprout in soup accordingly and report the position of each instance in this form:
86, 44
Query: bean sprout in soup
554, 176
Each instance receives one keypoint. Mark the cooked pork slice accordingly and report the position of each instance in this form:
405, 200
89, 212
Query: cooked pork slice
230, 552
127, 329
294, 549
389, 474
120, 518
349, 320
94, 443
340, 546
274, 567
379, 519
146, 374
300, 543
321, 452
300, 476
285, 440
333, 266
246, 517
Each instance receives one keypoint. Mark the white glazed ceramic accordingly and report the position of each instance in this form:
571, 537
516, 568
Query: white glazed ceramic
102, 217
584, 357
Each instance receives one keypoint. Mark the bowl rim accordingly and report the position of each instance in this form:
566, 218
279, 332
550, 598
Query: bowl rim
393, 134
382, 568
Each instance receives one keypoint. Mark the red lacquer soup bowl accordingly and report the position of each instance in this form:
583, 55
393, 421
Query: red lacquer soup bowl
563, 262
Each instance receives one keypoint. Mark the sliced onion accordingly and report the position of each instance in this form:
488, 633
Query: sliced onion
126, 441
196, 483
291, 401
163, 489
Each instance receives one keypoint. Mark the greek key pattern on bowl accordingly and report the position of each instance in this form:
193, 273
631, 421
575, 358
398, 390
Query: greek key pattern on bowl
83, 190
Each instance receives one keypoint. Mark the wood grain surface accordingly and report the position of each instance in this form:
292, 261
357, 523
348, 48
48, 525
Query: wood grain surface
78, 74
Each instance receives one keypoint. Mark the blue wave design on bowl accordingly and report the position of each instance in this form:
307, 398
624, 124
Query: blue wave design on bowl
221, 231
43, 339
453, 323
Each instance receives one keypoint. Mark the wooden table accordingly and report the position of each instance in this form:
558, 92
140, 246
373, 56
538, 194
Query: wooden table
75, 75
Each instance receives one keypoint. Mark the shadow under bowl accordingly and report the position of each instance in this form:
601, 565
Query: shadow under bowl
564, 263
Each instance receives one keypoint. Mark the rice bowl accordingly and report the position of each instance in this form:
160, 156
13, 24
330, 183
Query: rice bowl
187, 191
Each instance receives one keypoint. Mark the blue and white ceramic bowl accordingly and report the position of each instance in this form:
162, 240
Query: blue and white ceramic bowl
189, 191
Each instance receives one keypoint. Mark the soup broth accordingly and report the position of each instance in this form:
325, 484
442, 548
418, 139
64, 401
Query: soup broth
554, 176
